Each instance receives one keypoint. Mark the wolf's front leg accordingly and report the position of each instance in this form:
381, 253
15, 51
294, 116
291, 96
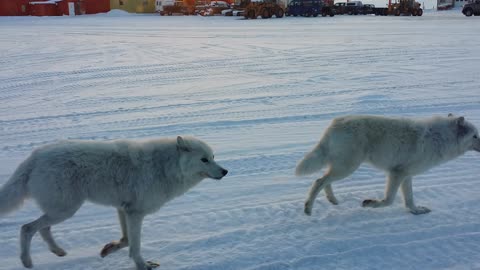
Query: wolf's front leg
134, 231
408, 198
393, 182
117, 245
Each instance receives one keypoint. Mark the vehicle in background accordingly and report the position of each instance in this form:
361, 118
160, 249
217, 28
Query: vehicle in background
264, 8
350, 8
472, 8
405, 8
178, 7
368, 9
402, 7
307, 8
214, 8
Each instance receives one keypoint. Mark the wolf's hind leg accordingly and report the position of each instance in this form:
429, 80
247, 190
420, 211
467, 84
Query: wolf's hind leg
52, 245
336, 172
329, 194
393, 182
28, 231
117, 245
408, 198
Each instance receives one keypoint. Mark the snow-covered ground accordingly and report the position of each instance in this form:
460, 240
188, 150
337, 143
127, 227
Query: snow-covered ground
261, 93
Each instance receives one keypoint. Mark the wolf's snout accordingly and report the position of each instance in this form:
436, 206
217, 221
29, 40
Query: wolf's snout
224, 172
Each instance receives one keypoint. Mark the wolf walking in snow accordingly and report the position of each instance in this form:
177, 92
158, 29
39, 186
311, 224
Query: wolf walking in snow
135, 177
399, 146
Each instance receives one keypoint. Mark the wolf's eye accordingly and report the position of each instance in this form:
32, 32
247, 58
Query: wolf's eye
204, 160
475, 136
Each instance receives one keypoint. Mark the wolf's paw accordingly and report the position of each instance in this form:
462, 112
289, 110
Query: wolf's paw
112, 247
419, 210
26, 261
108, 248
308, 209
59, 252
332, 200
369, 203
151, 265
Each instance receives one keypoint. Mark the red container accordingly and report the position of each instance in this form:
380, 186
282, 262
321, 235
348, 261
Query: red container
63, 7
14, 7
96, 6
43, 9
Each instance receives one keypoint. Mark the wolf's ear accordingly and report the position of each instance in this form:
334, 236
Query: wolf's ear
182, 145
462, 129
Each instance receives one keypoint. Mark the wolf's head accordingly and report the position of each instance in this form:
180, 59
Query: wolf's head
466, 133
196, 159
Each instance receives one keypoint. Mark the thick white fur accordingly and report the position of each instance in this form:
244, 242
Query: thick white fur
399, 146
135, 177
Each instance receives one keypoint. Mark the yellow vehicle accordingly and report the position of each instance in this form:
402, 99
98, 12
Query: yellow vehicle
406, 7
264, 8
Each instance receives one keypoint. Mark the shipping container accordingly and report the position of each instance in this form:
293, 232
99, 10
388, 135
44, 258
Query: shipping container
43, 8
71, 7
14, 7
96, 6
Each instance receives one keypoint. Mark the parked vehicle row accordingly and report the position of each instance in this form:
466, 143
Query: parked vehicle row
307, 8
252, 9
402, 7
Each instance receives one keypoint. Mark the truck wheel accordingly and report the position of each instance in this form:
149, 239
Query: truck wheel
265, 14
468, 12
279, 13
419, 12
397, 12
251, 14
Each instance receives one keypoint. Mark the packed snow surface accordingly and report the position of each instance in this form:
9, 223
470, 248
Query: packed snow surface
260, 92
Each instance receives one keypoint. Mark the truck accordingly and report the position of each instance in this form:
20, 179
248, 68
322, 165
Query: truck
350, 8
307, 8
406, 8
170, 7
264, 8
472, 8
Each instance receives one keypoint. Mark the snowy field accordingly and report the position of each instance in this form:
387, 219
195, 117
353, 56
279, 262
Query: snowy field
261, 93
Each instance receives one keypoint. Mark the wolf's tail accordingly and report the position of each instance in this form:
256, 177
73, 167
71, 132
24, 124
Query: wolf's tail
15, 191
312, 162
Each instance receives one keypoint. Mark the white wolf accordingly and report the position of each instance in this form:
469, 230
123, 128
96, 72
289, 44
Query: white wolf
136, 177
399, 146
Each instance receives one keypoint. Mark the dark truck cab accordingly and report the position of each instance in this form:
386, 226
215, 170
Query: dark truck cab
472, 8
